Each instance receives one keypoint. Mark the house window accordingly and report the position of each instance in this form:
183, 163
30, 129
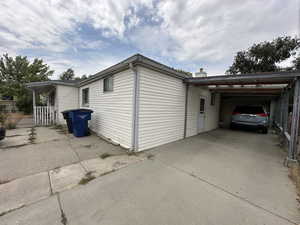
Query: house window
85, 97
108, 84
212, 98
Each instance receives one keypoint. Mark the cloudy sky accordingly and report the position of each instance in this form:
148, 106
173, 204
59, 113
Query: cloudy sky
90, 35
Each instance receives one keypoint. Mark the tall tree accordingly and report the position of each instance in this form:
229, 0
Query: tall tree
16, 72
265, 56
68, 75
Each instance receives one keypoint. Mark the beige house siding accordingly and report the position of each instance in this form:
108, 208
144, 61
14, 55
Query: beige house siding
112, 117
66, 98
211, 112
161, 109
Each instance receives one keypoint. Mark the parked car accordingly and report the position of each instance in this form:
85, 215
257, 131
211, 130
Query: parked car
250, 116
2, 133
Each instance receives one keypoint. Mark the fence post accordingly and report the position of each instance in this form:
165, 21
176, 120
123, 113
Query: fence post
292, 153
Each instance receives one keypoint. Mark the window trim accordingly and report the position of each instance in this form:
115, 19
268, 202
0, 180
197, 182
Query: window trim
83, 103
111, 77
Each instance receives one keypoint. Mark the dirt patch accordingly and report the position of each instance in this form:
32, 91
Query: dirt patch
295, 176
11, 119
4, 181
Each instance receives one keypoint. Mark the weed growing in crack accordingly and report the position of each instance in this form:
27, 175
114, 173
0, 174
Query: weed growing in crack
32, 136
105, 155
87, 178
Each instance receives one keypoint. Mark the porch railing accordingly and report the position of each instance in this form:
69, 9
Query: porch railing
45, 115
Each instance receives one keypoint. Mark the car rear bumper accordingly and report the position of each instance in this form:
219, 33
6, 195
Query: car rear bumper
248, 125
2, 133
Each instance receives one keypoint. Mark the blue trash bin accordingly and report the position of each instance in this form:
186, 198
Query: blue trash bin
80, 118
67, 117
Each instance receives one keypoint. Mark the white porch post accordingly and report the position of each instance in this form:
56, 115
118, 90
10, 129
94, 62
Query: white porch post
33, 106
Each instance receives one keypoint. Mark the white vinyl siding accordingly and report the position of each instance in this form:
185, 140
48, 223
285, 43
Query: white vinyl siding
66, 98
211, 111
161, 109
112, 116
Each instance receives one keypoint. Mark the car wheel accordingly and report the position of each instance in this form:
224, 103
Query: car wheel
265, 130
232, 127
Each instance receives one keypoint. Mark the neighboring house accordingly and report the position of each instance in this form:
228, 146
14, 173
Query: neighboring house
8, 104
140, 103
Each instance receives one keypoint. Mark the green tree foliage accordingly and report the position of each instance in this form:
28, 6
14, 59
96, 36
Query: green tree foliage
83, 77
16, 72
67, 75
296, 64
265, 56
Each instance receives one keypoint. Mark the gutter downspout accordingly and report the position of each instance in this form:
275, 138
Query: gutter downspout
186, 109
135, 114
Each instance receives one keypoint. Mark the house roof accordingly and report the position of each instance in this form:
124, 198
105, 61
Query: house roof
246, 79
136, 59
52, 83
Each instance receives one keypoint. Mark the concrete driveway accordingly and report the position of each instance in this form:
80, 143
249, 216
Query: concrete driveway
221, 177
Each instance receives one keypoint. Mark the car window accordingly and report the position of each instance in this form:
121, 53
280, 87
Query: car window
249, 109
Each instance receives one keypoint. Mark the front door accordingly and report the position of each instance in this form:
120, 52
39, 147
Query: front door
201, 117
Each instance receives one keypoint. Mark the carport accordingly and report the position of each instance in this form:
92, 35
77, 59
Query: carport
278, 91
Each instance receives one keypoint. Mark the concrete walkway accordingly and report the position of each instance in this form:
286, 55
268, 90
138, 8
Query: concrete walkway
222, 177
50, 163
25, 122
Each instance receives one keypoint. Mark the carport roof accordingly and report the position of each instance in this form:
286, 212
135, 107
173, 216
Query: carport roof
246, 79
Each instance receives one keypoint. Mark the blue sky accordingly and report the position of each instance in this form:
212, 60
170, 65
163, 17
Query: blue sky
90, 35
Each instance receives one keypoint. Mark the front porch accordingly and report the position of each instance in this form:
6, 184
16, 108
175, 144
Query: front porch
50, 98
44, 105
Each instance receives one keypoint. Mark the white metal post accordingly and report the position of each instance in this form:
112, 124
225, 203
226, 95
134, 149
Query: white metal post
34, 106
292, 154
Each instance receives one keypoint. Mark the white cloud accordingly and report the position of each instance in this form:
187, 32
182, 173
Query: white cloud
198, 32
213, 31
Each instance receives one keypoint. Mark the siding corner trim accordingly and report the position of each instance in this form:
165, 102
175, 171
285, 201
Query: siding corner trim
135, 118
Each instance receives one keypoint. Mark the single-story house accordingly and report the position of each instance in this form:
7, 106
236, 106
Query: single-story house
140, 103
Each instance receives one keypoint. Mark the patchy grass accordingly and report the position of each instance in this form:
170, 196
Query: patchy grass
10, 125
131, 153
295, 177
87, 178
32, 135
105, 155
150, 156
10, 120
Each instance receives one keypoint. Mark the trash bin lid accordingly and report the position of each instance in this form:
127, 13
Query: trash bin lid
80, 109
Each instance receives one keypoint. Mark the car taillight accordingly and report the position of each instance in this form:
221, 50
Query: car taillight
262, 114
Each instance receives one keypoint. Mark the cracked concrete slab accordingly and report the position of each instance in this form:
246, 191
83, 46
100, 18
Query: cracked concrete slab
47, 134
101, 166
97, 166
92, 147
66, 177
45, 212
23, 191
152, 193
247, 164
35, 158
14, 142
19, 131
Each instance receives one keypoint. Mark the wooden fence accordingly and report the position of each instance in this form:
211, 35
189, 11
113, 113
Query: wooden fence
44, 115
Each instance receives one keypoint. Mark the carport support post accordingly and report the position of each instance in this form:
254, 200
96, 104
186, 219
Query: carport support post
292, 154
285, 109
